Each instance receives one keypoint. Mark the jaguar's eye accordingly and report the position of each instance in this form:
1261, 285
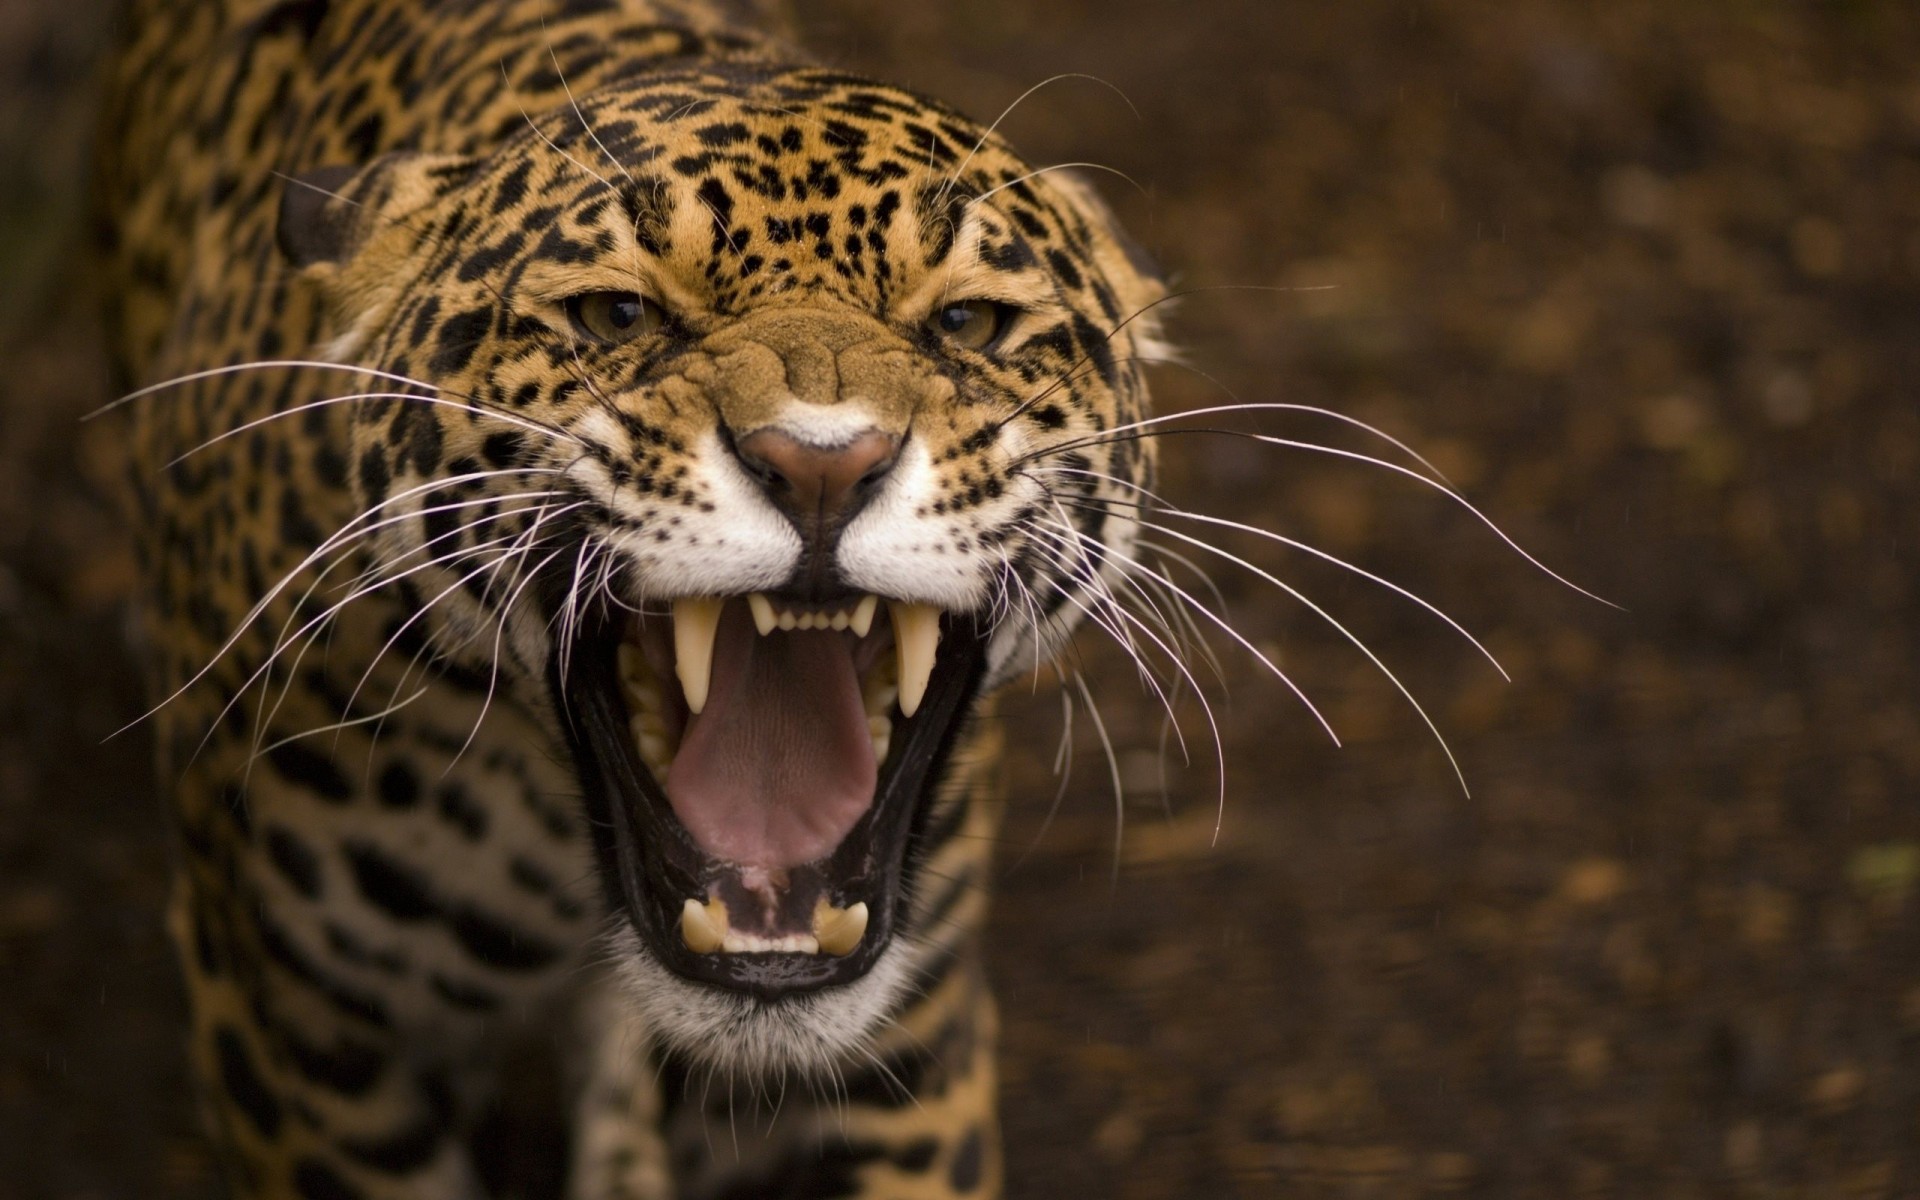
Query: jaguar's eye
971, 324
614, 317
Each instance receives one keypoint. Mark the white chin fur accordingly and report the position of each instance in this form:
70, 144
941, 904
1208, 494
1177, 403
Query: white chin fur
742, 1037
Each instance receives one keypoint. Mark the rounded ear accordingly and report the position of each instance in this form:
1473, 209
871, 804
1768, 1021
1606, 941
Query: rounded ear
328, 212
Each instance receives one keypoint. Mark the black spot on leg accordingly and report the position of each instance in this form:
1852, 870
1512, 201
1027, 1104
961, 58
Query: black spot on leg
408, 1150
394, 888
309, 768
348, 1067
399, 787
295, 860
467, 997
458, 809
243, 1084
968, 1163
498, 944
315, 1180
917, 1155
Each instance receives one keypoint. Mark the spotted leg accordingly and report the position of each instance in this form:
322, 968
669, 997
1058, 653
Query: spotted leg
359, 919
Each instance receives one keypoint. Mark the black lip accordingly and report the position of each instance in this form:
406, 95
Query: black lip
649, 864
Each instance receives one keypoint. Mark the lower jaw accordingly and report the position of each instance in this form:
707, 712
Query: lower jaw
650, 866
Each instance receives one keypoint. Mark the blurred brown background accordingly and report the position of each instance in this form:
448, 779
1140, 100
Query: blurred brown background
1642, 277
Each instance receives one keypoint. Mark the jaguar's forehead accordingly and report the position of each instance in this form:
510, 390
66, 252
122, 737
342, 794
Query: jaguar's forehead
756, 181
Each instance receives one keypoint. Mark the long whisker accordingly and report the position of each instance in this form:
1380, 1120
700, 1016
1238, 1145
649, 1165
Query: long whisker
1237, 636
1315, 448
494, 414
493, 676
519, 550
384, 565
331, 611
262, 365
1104, 596
346, 533
358, 582
1162, 507
1121, 634
1266, 406
1113, 770
1219, 747
1324, 615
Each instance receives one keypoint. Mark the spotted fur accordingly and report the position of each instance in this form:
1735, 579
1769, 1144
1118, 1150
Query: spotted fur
356, 574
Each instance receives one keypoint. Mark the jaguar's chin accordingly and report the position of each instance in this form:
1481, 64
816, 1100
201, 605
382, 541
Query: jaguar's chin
757, 771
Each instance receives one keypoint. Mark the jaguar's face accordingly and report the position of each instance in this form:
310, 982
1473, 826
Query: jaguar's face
769, 426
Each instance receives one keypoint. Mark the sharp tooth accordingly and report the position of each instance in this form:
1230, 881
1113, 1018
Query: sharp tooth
753, 943
839, 930
916, 635
703, 927
653, 748
763, 618
695, 621
862, 619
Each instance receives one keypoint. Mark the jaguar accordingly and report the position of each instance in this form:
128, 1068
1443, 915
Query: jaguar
593, 468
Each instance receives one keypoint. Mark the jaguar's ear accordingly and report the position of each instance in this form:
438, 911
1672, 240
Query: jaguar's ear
327, 214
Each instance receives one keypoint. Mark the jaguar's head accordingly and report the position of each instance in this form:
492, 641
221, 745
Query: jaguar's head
751, 429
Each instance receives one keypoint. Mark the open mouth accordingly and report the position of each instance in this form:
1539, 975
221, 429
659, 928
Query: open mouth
757, 770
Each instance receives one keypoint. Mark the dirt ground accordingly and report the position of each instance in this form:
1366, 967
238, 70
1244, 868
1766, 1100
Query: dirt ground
1642, 278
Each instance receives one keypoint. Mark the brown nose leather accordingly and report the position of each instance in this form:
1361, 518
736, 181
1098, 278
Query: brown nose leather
815, 484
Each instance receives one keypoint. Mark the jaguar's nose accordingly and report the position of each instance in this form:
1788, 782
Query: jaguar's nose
818, 487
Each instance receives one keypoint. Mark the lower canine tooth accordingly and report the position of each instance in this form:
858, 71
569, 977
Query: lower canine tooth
762, 609
838, 930
862, 619
916, 635
703, 927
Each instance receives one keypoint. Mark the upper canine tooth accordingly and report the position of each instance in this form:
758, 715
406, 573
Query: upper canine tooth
862, 619
703, 927
839, 930
916, 635
695, 621
763, 618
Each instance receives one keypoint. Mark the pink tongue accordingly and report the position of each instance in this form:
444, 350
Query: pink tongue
779, 766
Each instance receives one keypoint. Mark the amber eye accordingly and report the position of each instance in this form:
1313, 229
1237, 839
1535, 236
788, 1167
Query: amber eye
614, 317
970, 324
